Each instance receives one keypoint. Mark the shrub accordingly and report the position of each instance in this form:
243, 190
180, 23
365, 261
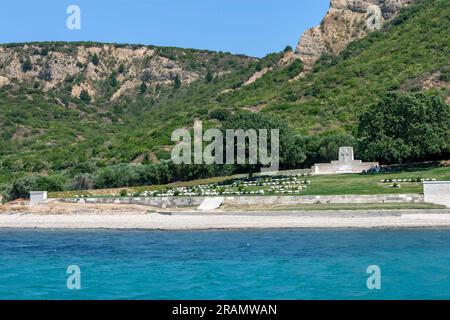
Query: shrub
95, 59
27, 66
84, 96
82, 182
21, 187
220, 114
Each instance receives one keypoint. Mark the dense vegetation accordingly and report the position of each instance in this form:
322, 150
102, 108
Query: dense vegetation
78, 143
405, 127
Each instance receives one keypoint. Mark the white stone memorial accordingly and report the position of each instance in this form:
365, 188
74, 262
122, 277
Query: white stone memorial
37, 197
345, 164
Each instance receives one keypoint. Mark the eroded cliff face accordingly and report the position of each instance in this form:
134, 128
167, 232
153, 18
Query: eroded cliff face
73, 67
345, 21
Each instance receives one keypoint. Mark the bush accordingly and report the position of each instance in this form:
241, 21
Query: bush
27, 66
95, 60
84, 96
21, 187
220, 114
82, 182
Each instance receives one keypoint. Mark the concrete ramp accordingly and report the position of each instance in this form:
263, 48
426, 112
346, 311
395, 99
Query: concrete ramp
211, 203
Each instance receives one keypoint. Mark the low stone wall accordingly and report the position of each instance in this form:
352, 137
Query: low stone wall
254, 200
324, 199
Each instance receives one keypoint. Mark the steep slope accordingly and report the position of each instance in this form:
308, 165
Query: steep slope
410, 53
76, 106
108, 71
345, 21
46, 127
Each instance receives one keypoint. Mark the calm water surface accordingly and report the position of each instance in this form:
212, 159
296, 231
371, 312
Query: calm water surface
264, 264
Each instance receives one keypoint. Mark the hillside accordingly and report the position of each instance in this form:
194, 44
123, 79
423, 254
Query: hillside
75, 107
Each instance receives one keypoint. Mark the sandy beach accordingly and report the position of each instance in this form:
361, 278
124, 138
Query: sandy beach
75, 216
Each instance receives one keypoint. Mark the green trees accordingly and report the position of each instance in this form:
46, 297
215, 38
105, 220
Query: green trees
84, 96
177, 82
95, 59
82, 182
142, 88
27, 66
21, 187
318, 149
220, 114
405, 127
290, 154
209, 76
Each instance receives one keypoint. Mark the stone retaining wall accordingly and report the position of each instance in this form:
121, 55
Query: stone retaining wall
253, 200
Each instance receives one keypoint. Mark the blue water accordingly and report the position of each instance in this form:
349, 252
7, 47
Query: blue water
270, 264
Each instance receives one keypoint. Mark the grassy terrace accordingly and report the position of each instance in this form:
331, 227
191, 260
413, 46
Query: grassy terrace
370, 183
356, 184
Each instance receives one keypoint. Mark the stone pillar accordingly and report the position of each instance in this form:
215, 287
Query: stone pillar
346, 154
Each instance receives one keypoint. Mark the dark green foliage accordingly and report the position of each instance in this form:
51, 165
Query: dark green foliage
177, 82
290, 154
21, 187
84, 96
405, 127
220, 114
113, 80
323, 149
82, 182
445, 75
27, 66
95, 59
142, 88
209, 76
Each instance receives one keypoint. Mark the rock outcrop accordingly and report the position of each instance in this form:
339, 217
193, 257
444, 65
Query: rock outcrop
345, 21
104, 70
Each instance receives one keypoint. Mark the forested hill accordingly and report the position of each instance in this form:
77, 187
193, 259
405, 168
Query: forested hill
75, 107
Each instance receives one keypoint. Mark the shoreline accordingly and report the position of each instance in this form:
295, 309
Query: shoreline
393, 219
60, 215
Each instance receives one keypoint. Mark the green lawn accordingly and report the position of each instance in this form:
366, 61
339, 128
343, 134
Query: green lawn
320, 185
370, 183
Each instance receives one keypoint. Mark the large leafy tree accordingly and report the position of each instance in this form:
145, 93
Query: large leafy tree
405, 127
290, 154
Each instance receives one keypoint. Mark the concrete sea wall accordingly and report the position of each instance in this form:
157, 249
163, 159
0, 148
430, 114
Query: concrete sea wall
254, 200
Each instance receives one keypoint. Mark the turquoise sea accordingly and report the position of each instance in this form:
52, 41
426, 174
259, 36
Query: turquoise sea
246, 264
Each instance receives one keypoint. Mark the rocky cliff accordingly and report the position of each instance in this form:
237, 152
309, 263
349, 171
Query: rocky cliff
108, 70
345, 21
